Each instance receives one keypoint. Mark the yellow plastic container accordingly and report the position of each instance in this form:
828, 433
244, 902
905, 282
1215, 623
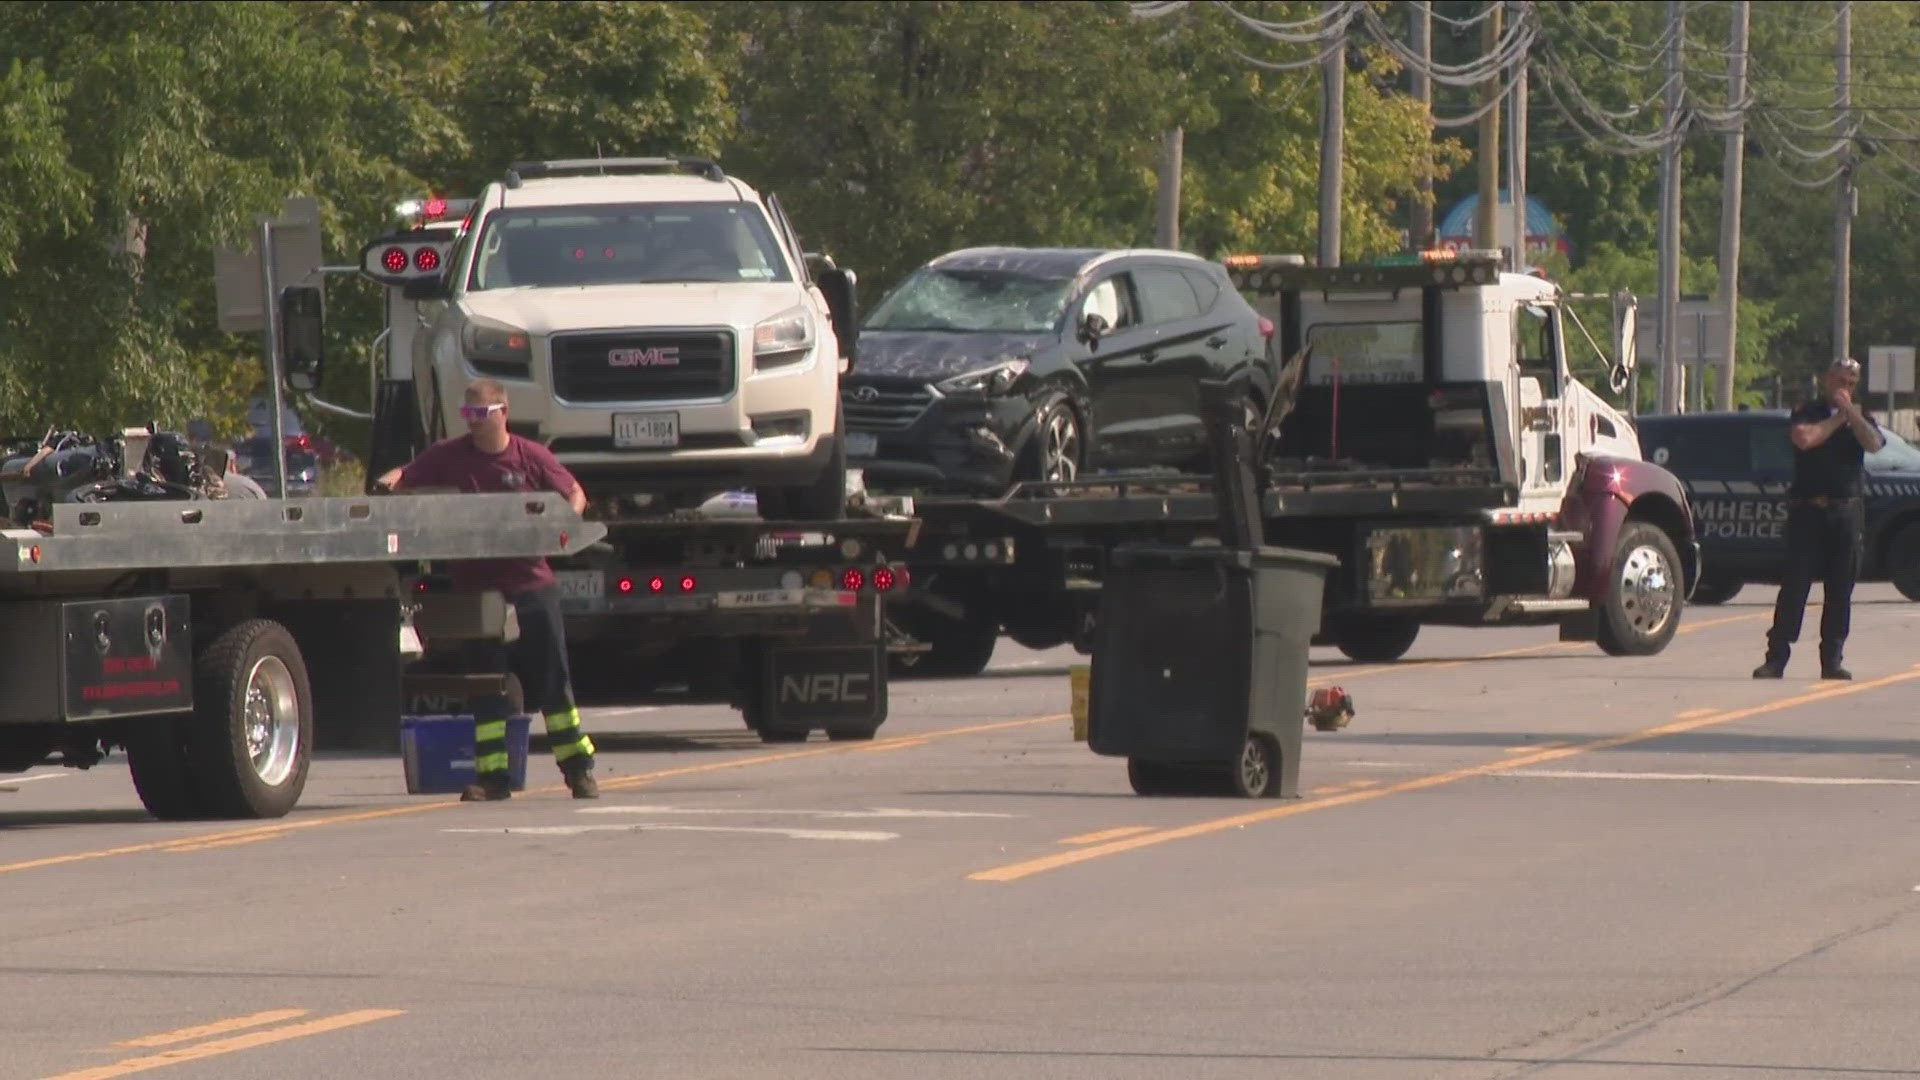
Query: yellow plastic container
1080, 677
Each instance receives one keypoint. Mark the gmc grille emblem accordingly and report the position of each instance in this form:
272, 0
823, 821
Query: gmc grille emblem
865, 393
663, 356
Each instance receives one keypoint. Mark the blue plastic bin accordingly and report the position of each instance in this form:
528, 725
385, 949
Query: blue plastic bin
438, 752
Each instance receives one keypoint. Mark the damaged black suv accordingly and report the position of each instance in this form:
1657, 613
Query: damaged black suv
991, 366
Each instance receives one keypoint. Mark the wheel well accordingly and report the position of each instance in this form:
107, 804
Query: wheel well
1883, 543
1665, 514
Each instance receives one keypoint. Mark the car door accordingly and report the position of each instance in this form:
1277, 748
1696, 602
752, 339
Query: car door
1114, 367
1186, 349
1543, 375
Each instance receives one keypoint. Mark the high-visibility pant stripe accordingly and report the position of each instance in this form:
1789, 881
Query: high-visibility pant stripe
563, 732
490, 747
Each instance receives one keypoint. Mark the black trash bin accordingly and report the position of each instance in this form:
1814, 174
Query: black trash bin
1200, 666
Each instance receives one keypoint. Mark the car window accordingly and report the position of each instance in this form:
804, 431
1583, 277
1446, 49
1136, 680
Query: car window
1204, 286
1165, 295
1690, 449
1898, 455
1770, 449
1112, 300
1533, 327
625, 244
969, 300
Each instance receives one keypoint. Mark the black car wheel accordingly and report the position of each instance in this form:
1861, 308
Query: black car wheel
1058, 448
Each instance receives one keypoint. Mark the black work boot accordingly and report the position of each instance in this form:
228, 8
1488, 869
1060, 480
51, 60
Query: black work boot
1773, 667
1831, 669
580, 781
490, 787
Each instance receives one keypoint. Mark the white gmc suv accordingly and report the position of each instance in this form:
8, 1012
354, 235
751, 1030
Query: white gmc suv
656, 326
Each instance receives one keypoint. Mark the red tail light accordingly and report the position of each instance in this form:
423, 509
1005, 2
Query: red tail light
883, 579
625, 585
394, 259
687, 583
426, 259
852, 578
1266, 326
657, 584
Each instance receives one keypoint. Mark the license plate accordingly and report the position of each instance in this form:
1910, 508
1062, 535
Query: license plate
653, 431
861, 444
581, 584
760, 598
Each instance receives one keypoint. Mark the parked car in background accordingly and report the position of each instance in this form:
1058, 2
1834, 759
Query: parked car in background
1737, 467
254, 456
995, 365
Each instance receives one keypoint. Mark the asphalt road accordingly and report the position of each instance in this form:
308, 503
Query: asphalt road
1522, 859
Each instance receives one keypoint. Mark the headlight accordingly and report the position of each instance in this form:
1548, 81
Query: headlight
489, 342
987, 380
783, 339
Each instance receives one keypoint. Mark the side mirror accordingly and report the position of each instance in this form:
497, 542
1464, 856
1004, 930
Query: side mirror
1093, 327
838, 285
1626, 339
427, 288
302, 347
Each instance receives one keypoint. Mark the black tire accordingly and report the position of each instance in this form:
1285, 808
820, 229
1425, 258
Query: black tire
157, 758
784, 735
852, 734
239, 770
1903, 561
1255, 774
1039, 639
1640, 609
822, 499
1057, 451
1712, 590
1149, 777
1375, 639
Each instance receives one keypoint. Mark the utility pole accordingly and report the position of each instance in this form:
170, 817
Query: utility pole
1517, 163
1732, 179
1333, 128
1420, 232
1485, 233
1669, 398
1167, 221
1843, 193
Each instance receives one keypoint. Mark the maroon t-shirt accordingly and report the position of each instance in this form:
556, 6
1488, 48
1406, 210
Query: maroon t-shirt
524, 466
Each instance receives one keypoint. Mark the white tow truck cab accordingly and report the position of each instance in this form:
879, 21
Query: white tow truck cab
655, 322
1445, 368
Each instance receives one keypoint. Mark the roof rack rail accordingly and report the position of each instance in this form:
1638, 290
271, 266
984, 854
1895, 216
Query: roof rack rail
527, 170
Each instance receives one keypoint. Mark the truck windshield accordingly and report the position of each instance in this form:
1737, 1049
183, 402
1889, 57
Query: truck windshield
1898, 455
973, 301
631, 244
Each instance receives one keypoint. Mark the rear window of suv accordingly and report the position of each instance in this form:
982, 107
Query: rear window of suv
630, 244
1755, 447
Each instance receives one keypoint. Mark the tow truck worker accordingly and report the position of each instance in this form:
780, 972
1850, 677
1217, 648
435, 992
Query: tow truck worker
1825, 518
489, 459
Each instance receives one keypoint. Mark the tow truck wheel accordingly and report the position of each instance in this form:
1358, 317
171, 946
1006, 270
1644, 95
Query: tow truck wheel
1375, 639
852, 734
1713, 590
1149, 777
1641, 607
157, 758
1904, 560
956, 647
251, 736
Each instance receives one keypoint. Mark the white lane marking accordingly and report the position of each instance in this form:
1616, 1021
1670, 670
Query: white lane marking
791, 834
11, 784
1818, 781
625, 710
876, 812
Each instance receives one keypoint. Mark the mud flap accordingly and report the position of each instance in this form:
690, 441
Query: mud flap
1582, 627
836, 688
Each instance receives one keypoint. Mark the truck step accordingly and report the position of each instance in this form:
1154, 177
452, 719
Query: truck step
1543, 606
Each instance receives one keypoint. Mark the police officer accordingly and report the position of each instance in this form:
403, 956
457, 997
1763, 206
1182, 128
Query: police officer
489, 458
1825, 517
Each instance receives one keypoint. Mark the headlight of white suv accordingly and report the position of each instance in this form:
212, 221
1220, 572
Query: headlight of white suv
994, 379
485, 341
783, 339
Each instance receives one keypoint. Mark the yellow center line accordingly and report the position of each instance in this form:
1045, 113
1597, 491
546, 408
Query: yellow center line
1107, 834
228, 1046
265, 832
1537, 747
218, 1027
1015, 871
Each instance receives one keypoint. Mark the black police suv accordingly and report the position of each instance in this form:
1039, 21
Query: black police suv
991, 366
1737, 467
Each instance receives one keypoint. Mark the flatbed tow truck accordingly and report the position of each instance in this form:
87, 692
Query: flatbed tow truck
1427, 433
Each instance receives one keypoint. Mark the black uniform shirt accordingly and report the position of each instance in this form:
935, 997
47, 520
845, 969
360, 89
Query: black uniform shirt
1833, 469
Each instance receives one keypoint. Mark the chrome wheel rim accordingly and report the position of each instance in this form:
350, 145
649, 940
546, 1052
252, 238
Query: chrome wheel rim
1254, 765
1647, 589
1060, 447
272, 719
